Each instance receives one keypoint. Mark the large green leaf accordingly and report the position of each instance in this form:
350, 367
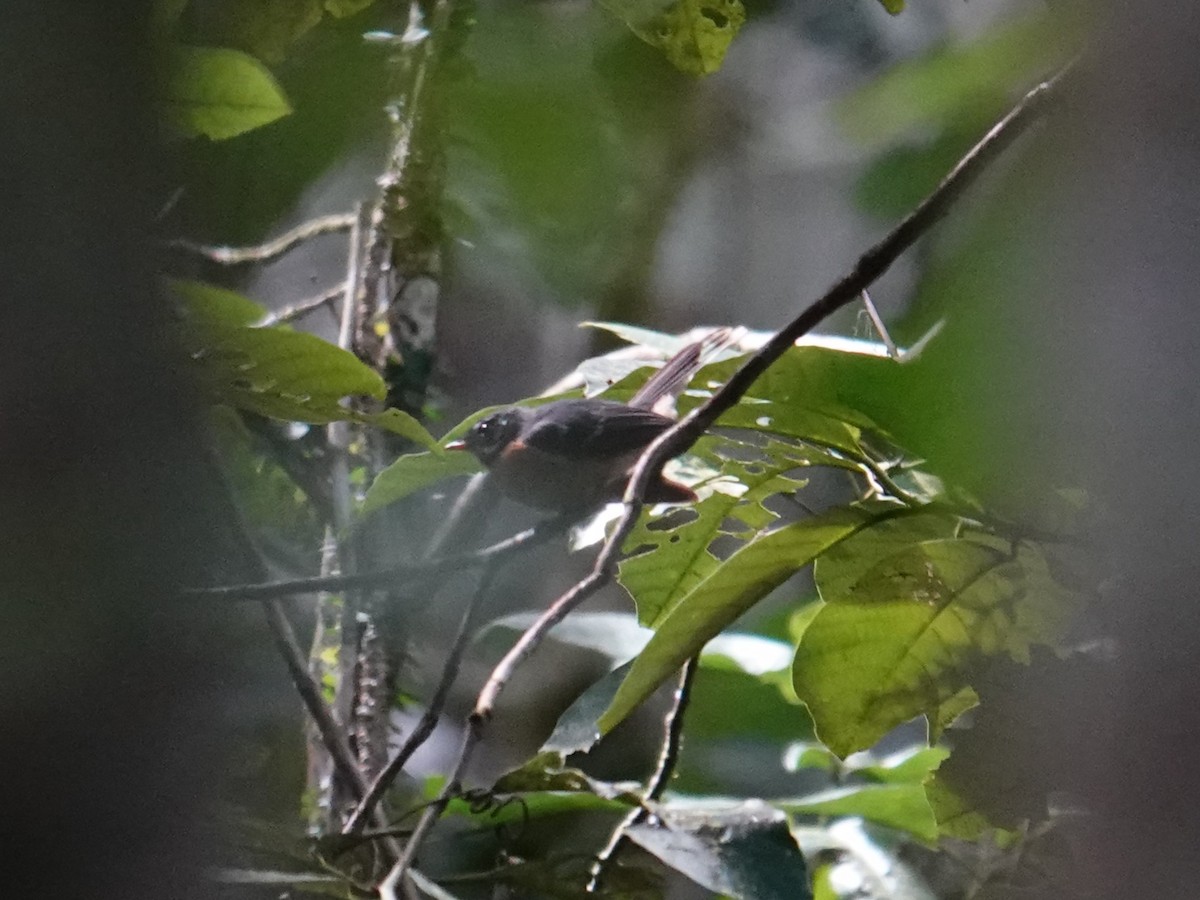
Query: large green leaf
274, 372
901, 640
836, 572
715, 602
900, 806
744, 851
220, 93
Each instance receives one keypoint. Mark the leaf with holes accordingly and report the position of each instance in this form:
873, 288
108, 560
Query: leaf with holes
693, 34
901, 640
274, 372
673, 552
728, 591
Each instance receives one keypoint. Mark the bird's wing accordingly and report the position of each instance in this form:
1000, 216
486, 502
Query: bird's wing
593, 429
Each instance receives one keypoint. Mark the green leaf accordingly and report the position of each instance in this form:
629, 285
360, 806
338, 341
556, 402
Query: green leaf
732, 694
413, 472
716, 601
836, 572
674, 547
577, 728
900, 806
220, 93
901, 640
911, 766
545, 773
212, 307
744, 851
694, 34
286, 375
401, 423
895, 7
956, 818
274, 372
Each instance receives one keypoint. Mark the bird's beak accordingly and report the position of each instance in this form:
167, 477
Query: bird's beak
456, 445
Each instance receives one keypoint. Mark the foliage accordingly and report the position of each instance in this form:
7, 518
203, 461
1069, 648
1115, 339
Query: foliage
896, 602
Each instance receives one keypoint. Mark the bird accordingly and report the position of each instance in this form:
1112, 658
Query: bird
571, 456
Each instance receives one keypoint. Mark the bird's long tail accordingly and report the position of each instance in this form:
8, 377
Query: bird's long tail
670, 381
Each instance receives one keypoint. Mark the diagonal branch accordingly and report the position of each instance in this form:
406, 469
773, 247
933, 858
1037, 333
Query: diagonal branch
869, 267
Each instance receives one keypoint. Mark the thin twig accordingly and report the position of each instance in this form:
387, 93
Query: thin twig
331, 734
677, 439
233, 256
303, 308
429, 720
392, 576
668, 759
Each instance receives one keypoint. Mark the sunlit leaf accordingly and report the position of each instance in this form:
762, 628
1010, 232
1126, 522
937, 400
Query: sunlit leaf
900, 641
900, 806
220, 93
673, 550
957, 818
836, 572
728, 591
694, 34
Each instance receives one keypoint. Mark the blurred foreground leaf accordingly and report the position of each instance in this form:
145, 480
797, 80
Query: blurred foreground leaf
220, 93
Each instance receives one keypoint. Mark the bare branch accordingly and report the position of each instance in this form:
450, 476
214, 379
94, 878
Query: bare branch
390, 577
233, 256
668, 759
303, 308
869, 267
